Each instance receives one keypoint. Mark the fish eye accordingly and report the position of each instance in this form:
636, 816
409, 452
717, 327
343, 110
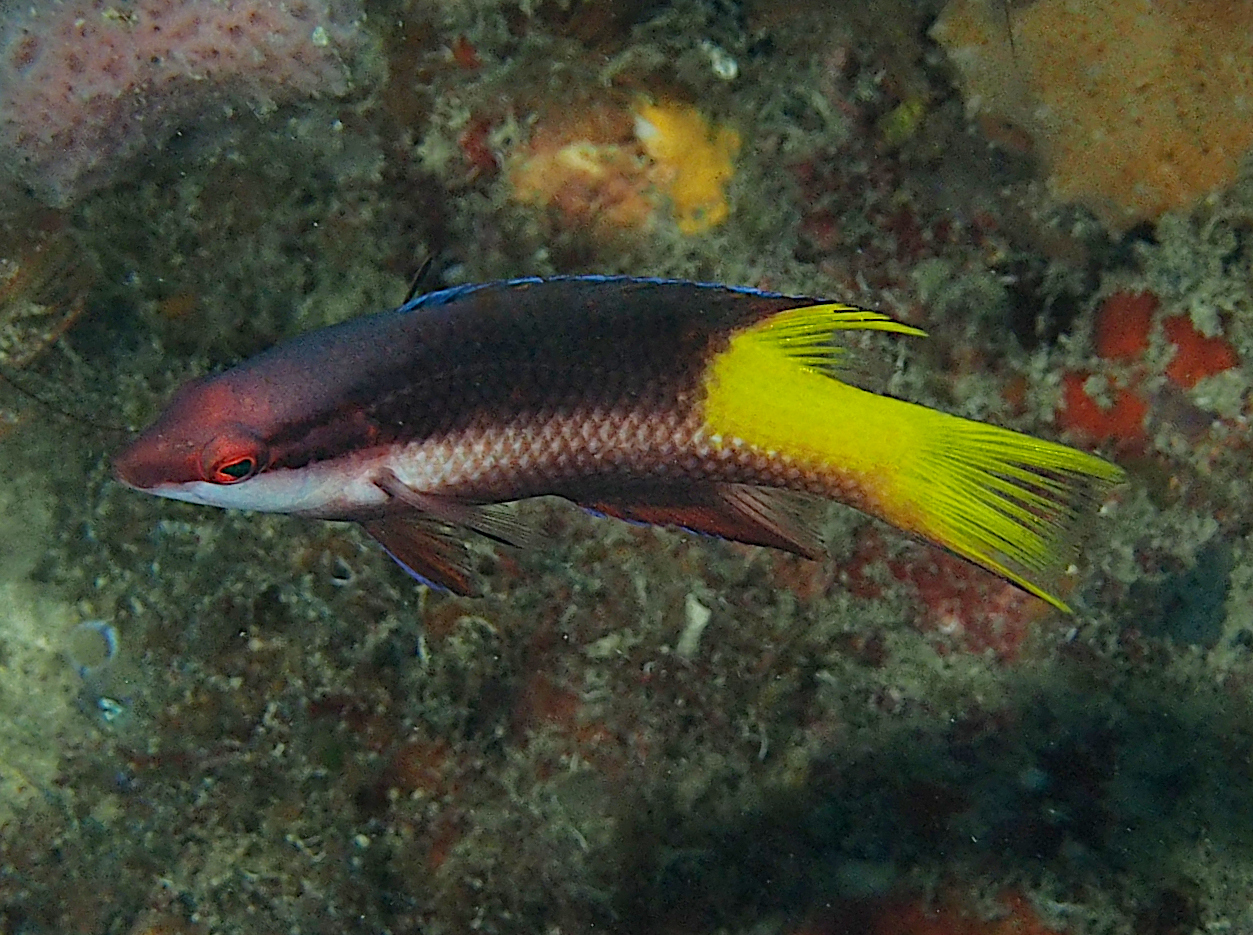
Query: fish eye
231, 459
237, 470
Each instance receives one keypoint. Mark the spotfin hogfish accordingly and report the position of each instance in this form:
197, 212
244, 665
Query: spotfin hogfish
717, 409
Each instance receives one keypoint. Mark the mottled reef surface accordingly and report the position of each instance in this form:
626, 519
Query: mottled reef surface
225, 723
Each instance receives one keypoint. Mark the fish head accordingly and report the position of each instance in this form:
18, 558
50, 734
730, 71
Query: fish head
264, 436
210, 437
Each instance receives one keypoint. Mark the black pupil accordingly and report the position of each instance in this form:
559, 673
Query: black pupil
237, 470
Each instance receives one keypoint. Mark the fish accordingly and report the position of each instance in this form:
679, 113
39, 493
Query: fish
723, 410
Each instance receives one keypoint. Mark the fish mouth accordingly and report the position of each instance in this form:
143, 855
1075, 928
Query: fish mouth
126, 470
145, 464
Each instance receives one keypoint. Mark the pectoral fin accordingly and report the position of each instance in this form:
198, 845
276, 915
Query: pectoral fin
496, 521
428, 551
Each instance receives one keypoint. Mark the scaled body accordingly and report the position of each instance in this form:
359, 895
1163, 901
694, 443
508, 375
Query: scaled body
669, 402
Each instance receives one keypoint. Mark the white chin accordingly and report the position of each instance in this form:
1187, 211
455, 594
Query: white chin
326, 493
232, 497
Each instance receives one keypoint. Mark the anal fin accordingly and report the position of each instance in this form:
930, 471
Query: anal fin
790, 518
739, 512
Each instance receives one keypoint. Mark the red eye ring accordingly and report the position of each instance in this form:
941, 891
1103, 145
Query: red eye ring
235, 470
232, 458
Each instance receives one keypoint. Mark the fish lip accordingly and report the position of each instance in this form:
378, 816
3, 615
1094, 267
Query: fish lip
120, 471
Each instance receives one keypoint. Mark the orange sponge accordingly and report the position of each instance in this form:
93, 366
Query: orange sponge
1138, 106
696, 161
1123, 324
1121, 421
1196, 356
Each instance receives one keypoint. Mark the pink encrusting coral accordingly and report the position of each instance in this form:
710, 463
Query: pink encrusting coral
85, 84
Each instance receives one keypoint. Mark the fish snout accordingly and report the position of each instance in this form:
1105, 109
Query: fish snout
150, 461
129, 468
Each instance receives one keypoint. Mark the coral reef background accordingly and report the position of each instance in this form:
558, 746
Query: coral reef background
216, 722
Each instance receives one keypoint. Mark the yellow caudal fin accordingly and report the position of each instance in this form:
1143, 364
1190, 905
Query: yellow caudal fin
1014, 504
1018, 505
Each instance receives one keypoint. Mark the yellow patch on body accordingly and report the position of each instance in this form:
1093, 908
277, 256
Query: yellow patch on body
1014, 504
757, 392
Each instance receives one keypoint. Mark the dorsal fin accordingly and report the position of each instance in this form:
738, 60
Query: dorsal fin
806, 335
419, 279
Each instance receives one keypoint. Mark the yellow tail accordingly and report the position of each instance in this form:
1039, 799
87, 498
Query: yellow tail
1014, 504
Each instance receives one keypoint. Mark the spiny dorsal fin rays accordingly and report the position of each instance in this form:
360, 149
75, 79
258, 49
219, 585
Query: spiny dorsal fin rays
806, 335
